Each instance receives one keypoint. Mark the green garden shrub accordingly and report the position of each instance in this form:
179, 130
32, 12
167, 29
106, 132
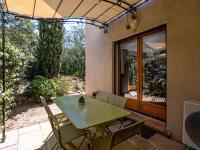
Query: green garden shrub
64, 84
41, 86
14, 59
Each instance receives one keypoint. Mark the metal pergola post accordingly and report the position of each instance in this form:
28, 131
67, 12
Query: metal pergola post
3, 72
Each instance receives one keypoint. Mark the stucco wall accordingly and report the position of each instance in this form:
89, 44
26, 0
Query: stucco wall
183, 53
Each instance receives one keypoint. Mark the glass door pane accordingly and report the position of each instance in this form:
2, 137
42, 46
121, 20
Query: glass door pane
154, 68
129, 69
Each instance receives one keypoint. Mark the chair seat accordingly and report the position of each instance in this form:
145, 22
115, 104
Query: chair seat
102, 143
69, 133
61, 118
135, 143
99, 130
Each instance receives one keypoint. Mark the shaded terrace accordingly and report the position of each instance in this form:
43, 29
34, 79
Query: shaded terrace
127, 80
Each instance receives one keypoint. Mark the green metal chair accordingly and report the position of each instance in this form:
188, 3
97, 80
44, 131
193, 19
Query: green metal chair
62, 128
102, 96
114, 100
110, 141
66, 133
117, 101
61, 118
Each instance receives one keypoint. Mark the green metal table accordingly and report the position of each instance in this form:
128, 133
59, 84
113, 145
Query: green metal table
92, 113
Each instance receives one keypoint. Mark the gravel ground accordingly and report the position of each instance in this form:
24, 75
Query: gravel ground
29, 113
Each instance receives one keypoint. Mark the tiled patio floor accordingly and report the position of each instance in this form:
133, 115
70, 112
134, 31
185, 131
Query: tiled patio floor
27, 138
31, 138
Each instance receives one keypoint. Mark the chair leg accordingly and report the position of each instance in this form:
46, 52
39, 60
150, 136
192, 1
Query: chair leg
54, 146
63, 147
90, 147
48, 136
71, 145
57, 147
81, 142
108, 131
121, 124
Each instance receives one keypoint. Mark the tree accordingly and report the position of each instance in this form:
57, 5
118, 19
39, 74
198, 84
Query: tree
50, 48
74, 52
20, 38
20, 33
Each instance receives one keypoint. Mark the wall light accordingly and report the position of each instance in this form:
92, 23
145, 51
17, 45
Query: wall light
132, 23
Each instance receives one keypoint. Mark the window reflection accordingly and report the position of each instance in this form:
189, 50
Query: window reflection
154, 68
129, 69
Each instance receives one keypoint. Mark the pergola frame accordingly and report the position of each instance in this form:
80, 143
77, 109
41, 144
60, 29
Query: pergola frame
131, 9
102, 25
3, 72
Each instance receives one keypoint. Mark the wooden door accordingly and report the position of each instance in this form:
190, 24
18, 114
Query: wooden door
131, 75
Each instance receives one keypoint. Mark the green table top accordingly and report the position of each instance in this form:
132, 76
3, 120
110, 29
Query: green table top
92, 113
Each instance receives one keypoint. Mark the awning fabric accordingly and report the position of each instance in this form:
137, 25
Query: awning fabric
98, 10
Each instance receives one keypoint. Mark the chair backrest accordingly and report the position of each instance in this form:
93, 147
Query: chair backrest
117, 101
46, 107
102, 96
125, 133
52, 119
55, 127
112, 99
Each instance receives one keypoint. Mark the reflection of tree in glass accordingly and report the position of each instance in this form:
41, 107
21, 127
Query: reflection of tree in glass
130, 70
155, 76
132, 66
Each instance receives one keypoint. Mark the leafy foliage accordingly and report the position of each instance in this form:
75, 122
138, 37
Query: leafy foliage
74, 52
41, 86
20, 38
63, 84
155, 77
31, 65
50, 48
14, 58
21, 33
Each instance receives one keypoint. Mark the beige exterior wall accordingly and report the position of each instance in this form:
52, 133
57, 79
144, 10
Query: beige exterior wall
183, 47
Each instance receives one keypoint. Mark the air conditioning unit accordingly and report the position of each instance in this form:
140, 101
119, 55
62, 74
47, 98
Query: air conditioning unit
191, 124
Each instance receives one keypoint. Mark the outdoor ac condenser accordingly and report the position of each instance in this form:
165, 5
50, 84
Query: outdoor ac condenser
191, 124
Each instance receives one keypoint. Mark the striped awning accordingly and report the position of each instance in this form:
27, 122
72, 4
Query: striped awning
102, 11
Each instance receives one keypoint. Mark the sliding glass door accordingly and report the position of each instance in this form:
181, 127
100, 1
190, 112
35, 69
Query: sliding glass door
141, 72
129, 72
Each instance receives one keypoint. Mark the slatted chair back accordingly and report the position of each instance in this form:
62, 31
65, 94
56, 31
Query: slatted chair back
102, 96
117, 101
46, 107
112, 99
125, 133
52, 119
55, 127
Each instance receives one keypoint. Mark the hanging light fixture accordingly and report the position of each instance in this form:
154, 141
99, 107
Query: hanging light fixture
132, 23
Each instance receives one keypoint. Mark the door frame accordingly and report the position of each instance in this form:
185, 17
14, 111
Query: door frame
154, 110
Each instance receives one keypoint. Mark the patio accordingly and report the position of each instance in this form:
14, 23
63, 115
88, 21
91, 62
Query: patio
32, 137
143, 55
